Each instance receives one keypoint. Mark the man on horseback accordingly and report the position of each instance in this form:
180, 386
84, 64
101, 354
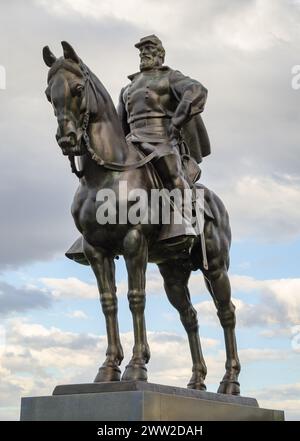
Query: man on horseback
160, 111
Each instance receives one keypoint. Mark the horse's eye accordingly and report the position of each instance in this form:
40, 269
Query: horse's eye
77, 90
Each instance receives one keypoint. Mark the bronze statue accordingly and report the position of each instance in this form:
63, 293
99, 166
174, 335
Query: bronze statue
89, 128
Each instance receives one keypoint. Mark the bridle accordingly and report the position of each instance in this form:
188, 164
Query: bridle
115, 166
85, 119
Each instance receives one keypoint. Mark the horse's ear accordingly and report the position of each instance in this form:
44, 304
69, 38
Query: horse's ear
48, 56
69, 52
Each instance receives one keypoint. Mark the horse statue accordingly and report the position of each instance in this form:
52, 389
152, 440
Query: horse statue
89, 128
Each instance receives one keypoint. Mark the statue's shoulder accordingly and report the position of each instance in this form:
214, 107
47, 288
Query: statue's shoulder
123, 92
134, 76
176, 75
125, 88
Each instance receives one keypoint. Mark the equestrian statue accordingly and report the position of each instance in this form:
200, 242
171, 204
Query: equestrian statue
153, 142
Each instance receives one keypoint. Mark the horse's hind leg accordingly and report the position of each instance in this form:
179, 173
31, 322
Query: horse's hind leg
218, 284
176, 286
104, 270
136, 257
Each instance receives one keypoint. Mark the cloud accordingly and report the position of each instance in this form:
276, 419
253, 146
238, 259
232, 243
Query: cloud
255, 25
283, 396
77, 315
37, 358
39, 337
278, 332
253, 355
251, 116
278, 303
264, 207
280, 392
18, 300
70, 287
37, 186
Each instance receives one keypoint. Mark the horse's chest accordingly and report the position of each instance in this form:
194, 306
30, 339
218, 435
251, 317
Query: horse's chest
86, 210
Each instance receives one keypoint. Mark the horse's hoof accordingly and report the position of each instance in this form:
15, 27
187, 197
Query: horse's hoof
197, 380
108, 373
229, 387
196, 384
135, 372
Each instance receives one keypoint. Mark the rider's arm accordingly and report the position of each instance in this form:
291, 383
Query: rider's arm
191, 96
123, 114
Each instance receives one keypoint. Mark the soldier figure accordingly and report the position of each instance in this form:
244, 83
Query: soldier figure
160, 111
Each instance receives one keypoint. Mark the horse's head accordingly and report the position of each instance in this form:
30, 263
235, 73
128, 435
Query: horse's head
68, 80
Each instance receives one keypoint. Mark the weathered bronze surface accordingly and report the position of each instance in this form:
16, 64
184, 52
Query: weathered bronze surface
159, 113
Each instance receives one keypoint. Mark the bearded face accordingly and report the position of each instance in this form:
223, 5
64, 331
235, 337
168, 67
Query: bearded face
150, 57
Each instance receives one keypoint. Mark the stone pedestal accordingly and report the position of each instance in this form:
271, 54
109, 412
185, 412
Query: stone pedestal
140, 401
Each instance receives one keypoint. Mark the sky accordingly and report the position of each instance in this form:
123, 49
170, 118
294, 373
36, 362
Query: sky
52, 329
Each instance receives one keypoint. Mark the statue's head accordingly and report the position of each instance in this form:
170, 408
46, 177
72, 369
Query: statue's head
152, 53
66, 92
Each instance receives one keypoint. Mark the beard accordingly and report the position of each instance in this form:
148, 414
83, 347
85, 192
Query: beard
149, 62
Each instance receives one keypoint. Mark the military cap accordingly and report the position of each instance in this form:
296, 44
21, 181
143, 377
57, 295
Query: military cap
149, 39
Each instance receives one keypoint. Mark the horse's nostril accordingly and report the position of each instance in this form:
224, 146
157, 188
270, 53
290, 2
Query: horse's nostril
69, 139
64, 142
67, 142
73, 139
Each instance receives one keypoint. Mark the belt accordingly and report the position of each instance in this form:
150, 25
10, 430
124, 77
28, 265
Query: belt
150, 122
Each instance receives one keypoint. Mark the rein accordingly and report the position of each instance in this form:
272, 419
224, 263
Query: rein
115, 166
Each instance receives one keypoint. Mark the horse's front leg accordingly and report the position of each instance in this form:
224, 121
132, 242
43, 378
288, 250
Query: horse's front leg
104, 269
136, 256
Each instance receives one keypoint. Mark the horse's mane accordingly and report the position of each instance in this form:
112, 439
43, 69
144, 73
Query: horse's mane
101, 90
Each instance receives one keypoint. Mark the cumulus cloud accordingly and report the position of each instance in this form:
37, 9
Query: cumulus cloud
77, 315
265, 207
70, 287
257, 25
37, 358
278, 303
18, 300
254, 25
253, 355
39, 337
284, 397
252, 111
